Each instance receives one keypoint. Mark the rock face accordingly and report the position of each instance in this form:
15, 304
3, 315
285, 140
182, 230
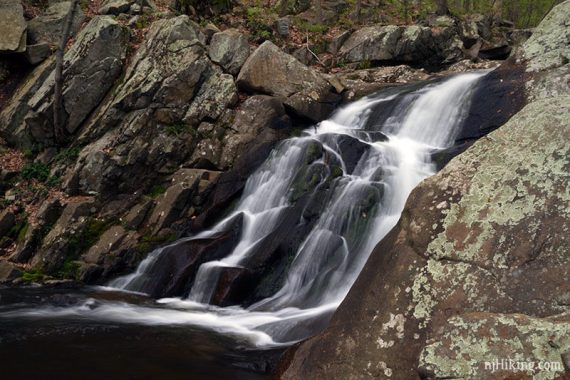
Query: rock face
477, 267
269, 70
48, 27
399, 43
12, 26
229, 49
91, 66
463, 247
149, 125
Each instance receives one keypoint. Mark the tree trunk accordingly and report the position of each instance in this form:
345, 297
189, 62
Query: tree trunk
358, 10
283, 8
442, 7
58, 127
319, 7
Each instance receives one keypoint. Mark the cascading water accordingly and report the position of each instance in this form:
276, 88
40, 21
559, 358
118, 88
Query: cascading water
345, 182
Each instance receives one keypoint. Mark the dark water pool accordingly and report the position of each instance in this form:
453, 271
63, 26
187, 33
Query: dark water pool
79, 348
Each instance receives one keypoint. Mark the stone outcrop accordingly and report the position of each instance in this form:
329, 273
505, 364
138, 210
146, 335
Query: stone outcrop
305, 91
48, 27
229, 49
12, 26
477, 267
412, 44
149, 125
90, 67
467, 243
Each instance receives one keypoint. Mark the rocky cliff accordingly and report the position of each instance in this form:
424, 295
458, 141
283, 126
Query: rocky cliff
164, 119
477, 268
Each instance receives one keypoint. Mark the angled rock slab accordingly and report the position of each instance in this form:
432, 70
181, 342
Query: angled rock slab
305, 91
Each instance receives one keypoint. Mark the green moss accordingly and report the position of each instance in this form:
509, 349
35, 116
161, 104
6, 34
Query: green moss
364, 65
22, 233
69, 270
19, 230
336, 171
88, 236
178, 129
314, 152
313, 28
33, 275
35, 170
157, 191
148, 242
68, 154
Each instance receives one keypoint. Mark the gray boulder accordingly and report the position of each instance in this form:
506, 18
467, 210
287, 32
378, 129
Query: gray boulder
548, 47
37, 53
114, 7
48, 27
259, 120
12, 26
90, 67
473, 270
8, 271
229, 49
407, 44
305, 91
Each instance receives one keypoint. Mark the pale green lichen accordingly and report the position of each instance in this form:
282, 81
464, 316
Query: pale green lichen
468, 342
517, 180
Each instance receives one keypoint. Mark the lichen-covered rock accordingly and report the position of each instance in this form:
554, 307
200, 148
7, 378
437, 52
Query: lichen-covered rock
398, 43
481, 345
12, 26
473, 238
476, 269
114, 7
271, 71
259, 120
548, 47
229, 49
170, 206
48, 27
547, 53
90, 67
142, 128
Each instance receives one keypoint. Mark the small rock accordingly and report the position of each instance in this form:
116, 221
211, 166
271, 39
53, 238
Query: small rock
282, 26
115, 7
8, 271
229, 49
337, 41
7, 220
12, 26
209, 31
49, 26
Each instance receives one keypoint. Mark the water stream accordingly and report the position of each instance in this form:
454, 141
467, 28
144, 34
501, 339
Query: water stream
346, 180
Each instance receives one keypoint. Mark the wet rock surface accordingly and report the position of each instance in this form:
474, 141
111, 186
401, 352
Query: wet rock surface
477, 262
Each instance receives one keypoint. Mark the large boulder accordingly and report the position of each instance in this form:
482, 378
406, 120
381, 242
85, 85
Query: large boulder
476, 269
12, 26
90, 66
547, 54
48, 27
409, 44
229, 49
472, 239
305, 91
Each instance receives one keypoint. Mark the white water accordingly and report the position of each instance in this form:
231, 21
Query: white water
341, 240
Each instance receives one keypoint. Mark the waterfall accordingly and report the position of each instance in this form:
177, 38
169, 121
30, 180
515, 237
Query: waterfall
345, 182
